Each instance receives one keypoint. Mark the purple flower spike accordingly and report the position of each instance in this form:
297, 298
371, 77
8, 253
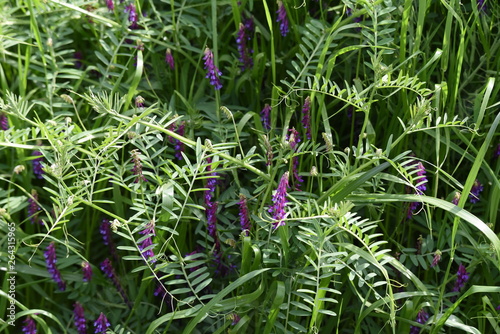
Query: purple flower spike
213, 73
149, 230
244, 216
477, 188
306, 117
279, 202
293, 138
178, 145
456, 198
109, 271
422, 318
101, 324
132, 16
111, 5
4, 122
87, 271
37, 164
422, 180
265, 117
169, 59
137, 170
51, 260
437, 258
244, 51
34, 208
481, 6
29, 326
80, 322
282, 19
462, 278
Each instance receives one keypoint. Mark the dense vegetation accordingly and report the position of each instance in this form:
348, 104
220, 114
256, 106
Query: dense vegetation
249, 166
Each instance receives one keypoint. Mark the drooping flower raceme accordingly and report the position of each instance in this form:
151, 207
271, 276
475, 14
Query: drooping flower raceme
169, 59
213, 73
109, 271
282, 19
244, 216
265, 117
422, 318
293, 140
149, 230
37, 164
29, 326
137, 169
421, 181
277, 209
437, 258
33, 207
132, 16
242, 37
110, 5
306, 117
477, 188
80, 322
51, 260
107, 238
456, 198
87, 271
101, 324
462, 278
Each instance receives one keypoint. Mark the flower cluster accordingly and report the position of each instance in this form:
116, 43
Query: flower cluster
110, 5
132, 16
282, 19
87, 271
306, 117
213, 73
178, 145
481, 6
242, 36
139, 101
293, 140
29, 326
109, 271
145, 248
421, 179
4, 122
265, 117
279, 202
80, 322
37, 164
244, 216
105, 230
101, 324
456, 198
462, 278
422, 318
477, 188
33, 207
137, 169
169, 59
437, 258
51, 260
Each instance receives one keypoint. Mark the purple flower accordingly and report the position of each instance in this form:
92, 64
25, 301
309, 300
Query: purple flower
497, 152
437, 258
137, 170
481, 6
422, 318
213, 73
109, 271
37, 164
306, 117
265, 117
87, 271
80, 322
33, 207
111, 5
105, 230
282, 19
4, 122
101, 324
456, 198
236, 318
132, 15
149, 230
29, 326
178, 145
139, 101
242, 36
78, 57
295, 170
169, 59
51, 260
421, 179
293, 138
477, 188
462, 278
279, 202
244, 216
414, 206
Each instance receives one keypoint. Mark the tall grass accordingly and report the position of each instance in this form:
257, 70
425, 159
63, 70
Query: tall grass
382, 117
